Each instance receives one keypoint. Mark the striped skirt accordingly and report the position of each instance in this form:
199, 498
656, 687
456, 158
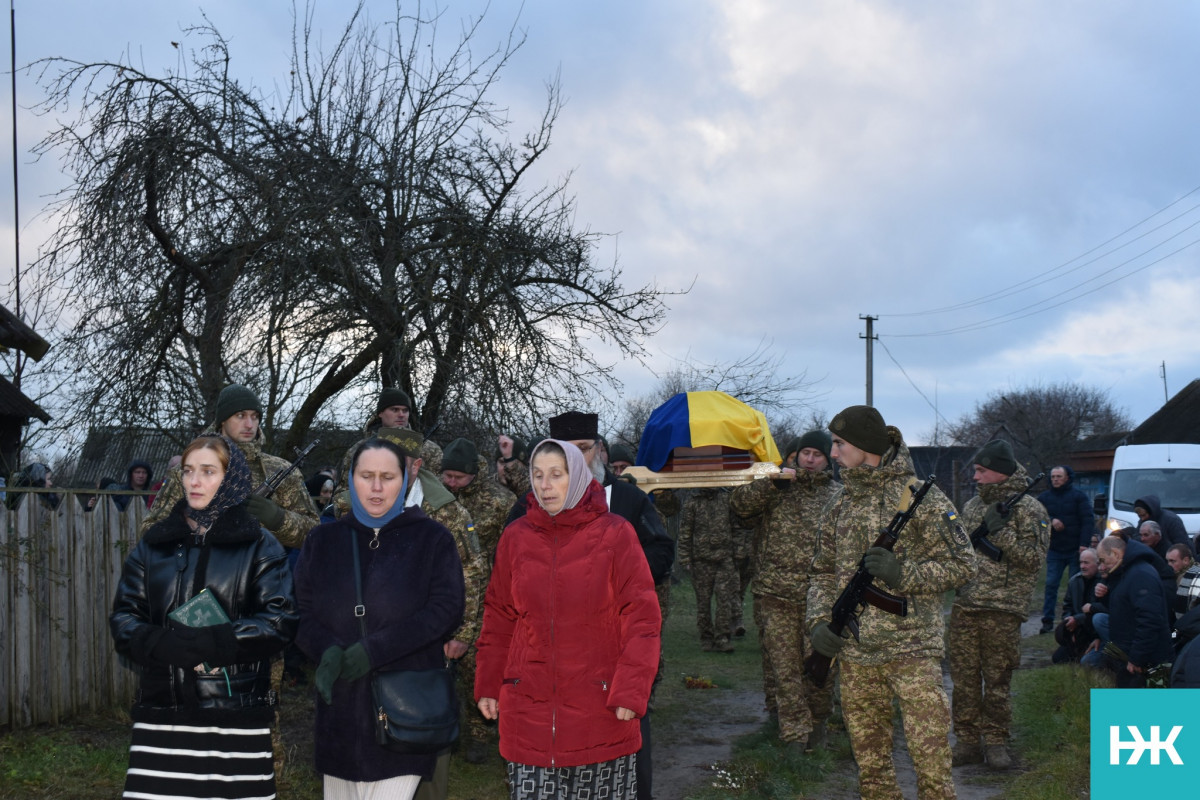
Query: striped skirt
229, 758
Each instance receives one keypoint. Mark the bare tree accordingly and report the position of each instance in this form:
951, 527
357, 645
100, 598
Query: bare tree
1042, 422
368, 226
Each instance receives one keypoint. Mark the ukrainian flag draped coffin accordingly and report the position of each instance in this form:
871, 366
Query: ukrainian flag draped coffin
699, 419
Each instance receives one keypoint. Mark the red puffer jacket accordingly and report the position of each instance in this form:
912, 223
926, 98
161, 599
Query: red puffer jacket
570, 633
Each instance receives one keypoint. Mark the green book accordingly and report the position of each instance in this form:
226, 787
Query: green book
202, 611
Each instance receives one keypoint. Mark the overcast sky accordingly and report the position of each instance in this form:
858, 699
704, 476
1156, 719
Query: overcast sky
1006, 185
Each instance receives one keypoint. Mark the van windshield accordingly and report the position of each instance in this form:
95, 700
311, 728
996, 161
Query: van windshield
1177, 489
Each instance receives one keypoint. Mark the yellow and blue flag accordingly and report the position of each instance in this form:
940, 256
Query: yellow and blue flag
699, 419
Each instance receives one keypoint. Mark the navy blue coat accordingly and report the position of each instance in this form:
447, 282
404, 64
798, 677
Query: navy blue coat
413, 593
1072, 506
1173, 531
1137, 608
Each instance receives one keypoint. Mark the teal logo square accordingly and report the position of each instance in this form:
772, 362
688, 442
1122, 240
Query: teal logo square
1144, 740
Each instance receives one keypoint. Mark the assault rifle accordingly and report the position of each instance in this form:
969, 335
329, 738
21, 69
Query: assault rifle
979, 538
860, 590
268, 487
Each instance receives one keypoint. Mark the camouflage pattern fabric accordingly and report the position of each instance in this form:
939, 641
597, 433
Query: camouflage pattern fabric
785, 646
985, 623
789, 516
1007, 584
985, 649
896, 657
299, 514
743, 564
488, 504
934, 552
516, 478
867, 692
717, 579
706, 547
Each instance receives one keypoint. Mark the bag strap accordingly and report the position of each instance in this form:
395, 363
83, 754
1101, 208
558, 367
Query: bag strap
360, 610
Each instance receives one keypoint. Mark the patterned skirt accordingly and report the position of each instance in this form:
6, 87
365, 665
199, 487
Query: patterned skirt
229, 759
608, 780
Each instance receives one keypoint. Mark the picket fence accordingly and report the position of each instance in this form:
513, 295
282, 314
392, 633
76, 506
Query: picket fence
58, 573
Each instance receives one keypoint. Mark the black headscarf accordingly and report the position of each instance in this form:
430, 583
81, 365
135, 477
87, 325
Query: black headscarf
234, 489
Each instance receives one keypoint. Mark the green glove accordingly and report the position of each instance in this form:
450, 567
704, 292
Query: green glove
328, 671
268, 512
825, 641
994, 518
883, 564
355, 664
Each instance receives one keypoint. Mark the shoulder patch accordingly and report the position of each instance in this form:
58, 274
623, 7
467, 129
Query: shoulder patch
955, 529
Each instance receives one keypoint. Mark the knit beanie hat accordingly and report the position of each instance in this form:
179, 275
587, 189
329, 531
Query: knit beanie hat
461, 456
997, 455
863, 427
234, 398
619, 452
793, 446
574, 425
392, 396
818, 440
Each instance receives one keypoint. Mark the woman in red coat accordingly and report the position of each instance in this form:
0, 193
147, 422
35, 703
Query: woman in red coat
569, 645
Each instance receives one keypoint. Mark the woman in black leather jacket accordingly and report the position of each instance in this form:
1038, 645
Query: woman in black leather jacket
205, 689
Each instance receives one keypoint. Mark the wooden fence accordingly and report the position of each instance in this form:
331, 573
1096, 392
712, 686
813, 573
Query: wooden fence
58, 574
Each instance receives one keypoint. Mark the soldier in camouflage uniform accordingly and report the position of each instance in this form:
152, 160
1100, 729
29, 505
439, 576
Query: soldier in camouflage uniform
512, 467
706, 548
895, 657
985, 623
289, 513
790, 513
464, 473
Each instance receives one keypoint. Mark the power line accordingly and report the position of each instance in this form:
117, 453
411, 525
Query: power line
1050, 275
913, 384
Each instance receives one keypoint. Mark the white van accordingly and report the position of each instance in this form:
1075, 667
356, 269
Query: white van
1171, 471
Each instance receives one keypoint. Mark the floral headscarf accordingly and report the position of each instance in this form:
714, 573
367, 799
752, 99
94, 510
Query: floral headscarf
234, 489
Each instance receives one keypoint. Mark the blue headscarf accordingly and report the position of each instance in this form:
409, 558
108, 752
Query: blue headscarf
360, 512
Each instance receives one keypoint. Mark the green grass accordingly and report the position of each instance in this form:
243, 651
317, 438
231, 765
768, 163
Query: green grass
83, 759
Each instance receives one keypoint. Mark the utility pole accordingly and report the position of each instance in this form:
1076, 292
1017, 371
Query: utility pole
1162, 370
870, 337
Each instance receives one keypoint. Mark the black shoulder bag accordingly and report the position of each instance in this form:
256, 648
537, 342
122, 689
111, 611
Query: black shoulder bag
416, 710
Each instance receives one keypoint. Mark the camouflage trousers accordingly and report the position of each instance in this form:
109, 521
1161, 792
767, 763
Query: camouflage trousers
745, 573
768, 673
719, 579
472, 725
867, 693
663, 590
985, 648
785, 646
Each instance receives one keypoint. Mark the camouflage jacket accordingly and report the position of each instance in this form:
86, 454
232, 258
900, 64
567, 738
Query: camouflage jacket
705, 529
488, 503
299, 514
516, 478
789, 514
934, 552
439, 505
1007, 584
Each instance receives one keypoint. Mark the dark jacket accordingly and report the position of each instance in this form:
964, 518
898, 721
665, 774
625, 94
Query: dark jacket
570, 633
1137, 608
1080, 592
122, 500
635, 506
1173, 531
1072, 506
247, 571
413, 594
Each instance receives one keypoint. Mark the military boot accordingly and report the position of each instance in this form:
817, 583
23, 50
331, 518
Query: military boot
967, 752
998, 757
722, 645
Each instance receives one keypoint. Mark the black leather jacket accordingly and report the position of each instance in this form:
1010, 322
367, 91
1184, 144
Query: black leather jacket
247, 570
